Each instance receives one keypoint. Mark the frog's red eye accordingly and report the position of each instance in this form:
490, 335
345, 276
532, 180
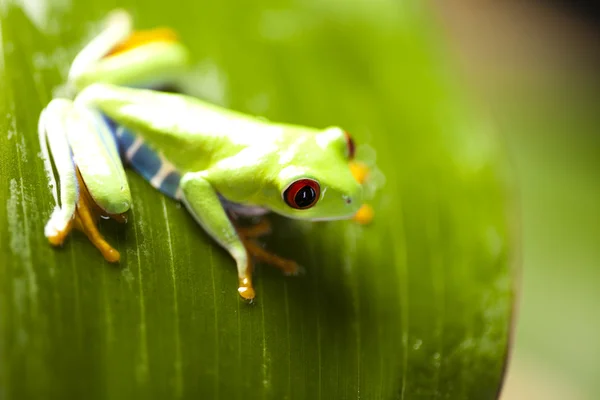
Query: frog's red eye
302, 194
351, 147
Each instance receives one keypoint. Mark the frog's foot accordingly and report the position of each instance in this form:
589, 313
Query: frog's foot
57, 236
245, 288
359, 171
262, 228
288, 267
85, 219
364, 215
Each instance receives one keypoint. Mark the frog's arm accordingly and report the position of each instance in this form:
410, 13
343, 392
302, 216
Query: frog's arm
202, 201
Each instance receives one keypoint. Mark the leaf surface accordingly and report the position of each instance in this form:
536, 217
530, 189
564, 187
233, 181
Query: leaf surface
415, 306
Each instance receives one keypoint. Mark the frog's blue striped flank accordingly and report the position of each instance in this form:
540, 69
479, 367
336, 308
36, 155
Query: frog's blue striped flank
159, 172
154, 168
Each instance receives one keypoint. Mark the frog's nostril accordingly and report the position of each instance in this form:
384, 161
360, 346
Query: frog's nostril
347, 199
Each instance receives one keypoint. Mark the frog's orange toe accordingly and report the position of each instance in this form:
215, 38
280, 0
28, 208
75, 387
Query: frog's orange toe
110, 254
58, 238
140, 38
86, 217
364, 215
247, 293
359, 171
245, 289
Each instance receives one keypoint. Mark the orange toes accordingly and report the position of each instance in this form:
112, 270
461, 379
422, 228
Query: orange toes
140, 38
359, 171
364, 215
245, 289
59, 238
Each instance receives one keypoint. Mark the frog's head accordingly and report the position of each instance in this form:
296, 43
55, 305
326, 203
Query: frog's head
316, 183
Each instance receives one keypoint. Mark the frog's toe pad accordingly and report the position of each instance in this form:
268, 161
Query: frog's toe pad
364, 215
111, 255
359, 171
57, 237
246, 290
293, 269
58, 227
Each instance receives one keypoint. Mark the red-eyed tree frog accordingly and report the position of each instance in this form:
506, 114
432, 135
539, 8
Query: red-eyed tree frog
219, 163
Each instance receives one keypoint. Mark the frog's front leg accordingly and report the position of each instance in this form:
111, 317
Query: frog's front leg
204, 204
92, 182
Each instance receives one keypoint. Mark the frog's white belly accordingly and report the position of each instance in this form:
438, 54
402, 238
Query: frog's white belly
161, 173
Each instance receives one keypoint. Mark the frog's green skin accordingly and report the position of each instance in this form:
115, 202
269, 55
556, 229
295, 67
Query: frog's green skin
218, 152
245, 159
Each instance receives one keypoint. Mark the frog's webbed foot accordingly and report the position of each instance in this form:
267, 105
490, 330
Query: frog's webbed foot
262, 228
365, 213
67, 135
86, 220
248, 234
359, 171
86, 217
288, 267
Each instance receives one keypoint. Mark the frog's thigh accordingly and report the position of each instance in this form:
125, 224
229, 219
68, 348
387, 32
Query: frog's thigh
123, 57
97, 158
148, 65
202, 201
118, 27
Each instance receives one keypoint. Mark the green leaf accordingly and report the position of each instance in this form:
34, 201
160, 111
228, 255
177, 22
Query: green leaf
415, 306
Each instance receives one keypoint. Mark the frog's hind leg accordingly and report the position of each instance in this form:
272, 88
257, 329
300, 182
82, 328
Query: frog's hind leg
91, 183
118, 27
121, 56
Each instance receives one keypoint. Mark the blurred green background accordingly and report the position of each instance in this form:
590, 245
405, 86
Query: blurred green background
537, 68
415, 306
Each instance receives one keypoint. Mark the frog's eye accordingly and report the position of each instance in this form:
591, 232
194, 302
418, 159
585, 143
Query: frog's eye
302, 194
350, 144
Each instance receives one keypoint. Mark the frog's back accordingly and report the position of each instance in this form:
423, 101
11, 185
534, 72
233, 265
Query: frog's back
190, 133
